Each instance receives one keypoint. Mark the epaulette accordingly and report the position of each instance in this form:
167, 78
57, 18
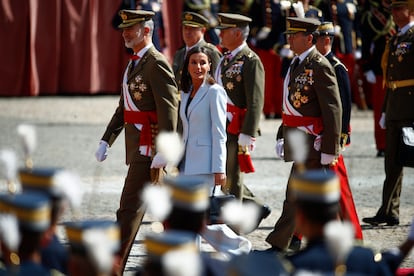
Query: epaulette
338, 63
317, 58
250, 54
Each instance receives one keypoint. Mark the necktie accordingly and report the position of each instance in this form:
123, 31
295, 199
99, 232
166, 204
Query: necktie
294, 64
133, 62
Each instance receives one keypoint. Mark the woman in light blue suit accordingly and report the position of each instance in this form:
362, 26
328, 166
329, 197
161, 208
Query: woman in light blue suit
203, 116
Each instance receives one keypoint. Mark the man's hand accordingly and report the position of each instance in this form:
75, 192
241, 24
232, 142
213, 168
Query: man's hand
247, 141
370, 76
102, 151
327, 159
280, 152
382, 121
158, 161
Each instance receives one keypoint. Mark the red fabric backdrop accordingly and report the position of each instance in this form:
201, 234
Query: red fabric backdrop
51, 47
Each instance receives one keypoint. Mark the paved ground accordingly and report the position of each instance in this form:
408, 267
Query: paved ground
69, 129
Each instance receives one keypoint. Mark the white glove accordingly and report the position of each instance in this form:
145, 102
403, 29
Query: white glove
247, 141
382, 121
327, 159
370, 76
279, 148
158, 161
102, 151
411, 232
317, 143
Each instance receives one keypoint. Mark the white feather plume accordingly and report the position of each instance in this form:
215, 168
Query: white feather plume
297, 140
285, 5
29, 138
9, 231
339, 236
100, 249
70, 185
182, 263
299, 10
9, 158
170, 146
242, 215
158, 201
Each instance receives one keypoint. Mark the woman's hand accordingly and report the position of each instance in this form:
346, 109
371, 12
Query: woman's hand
220, 179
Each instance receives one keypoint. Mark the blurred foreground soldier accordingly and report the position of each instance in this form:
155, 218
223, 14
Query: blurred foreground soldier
193, 29
148, 105
325, 38
259, 263
312, 109
398, 111
62, 188
241, 74
171, 253
32, 211
329, 246
93, 246
190, 206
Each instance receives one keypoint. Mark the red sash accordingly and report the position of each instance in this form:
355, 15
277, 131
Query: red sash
148, 120
303, 121
238, 113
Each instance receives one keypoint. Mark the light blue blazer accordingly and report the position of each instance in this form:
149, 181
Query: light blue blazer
204, 130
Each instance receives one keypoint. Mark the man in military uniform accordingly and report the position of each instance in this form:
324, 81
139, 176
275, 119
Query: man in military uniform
398, 109
194, 26
267, 27
315, 195
376, 28
241, 74
325, 39
312, 106
148, 104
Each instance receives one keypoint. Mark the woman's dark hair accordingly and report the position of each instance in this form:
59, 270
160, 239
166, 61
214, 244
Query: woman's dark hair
185, 76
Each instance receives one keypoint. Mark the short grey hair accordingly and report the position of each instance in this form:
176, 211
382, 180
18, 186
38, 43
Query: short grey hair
245, 31
150, 25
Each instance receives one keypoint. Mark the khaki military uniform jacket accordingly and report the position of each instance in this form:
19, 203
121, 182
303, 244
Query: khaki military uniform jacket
243, 80
152, 87
399, 98
313, 92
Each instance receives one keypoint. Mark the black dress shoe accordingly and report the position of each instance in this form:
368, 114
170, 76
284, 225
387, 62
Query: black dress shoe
295, 244
377, 220
380, 153
265, 211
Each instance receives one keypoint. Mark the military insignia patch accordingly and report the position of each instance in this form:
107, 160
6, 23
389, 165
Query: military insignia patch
137, 96
137, 87
230, 85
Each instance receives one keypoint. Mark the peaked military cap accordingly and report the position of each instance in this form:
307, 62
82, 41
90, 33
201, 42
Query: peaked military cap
76, 232
193, 19
40, 179
189, 192
232, 20
298, 24
132, 17
397, 3
32, 209
326, 29
157, 244
320, 186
